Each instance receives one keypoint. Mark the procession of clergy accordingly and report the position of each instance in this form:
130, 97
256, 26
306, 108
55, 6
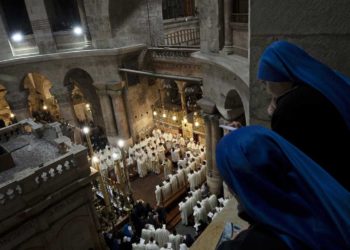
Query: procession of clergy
161, 151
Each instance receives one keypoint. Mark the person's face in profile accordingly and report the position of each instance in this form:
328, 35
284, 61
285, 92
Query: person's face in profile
276, 89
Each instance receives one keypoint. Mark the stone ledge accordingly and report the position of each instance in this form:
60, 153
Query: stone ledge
72, 54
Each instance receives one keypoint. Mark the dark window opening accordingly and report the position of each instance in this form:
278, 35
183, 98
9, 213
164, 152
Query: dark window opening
16, 17
178, 8
240, 11
63, 14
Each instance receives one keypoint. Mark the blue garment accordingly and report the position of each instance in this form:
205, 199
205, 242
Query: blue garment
285, 62
282, 188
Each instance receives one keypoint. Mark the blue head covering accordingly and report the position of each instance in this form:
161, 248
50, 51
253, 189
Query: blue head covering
280, 187
285, 62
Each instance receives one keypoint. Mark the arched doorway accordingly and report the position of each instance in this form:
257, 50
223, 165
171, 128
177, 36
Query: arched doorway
6, 116
42, 104
172, 98
234, 106
193, 93
84, 99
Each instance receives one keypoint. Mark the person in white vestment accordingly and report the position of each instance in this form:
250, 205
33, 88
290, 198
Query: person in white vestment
183, 246
175, 240
152, 245
158, 194
162, 235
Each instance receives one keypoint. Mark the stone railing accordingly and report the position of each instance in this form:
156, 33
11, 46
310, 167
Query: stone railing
172, 52
33, 183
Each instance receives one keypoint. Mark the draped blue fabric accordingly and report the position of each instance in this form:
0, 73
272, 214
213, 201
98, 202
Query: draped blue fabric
280, 187
285, 62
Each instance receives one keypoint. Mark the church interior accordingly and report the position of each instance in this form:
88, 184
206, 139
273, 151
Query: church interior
111, 111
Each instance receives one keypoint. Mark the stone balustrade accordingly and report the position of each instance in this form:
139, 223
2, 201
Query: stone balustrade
34, 183
172, 52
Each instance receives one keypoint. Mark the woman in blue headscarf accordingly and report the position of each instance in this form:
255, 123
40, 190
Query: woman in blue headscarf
291, 201
310, 106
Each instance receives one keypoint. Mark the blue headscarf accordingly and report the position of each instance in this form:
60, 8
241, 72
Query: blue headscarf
285, 62
280, 187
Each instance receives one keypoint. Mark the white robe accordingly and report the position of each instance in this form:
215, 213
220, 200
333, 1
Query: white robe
175, 241
162, 236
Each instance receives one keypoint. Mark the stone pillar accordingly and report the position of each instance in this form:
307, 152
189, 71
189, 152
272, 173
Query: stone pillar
215, 179
161, 90
5, 51
65, 105
41, 27
181, 86
228, 46
107, 114
212, 136
207, 124
98, 23
120, 113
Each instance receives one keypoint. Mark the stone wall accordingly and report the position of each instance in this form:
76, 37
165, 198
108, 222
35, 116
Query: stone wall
140, 99
138, 21
320, 27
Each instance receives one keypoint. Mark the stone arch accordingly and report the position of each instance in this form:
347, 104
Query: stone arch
234, 106
41, 103
172, 96
193, 92
77, 78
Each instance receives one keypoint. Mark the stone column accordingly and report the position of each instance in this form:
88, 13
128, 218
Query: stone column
207, 124
181, 86
215, 180
120, 113
212, 136
65, 105
5, 51
99, 23
41, 27
107, 114
228, 46
161, 90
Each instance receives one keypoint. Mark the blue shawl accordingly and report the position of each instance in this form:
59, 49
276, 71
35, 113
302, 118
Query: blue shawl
282, 188
285, 62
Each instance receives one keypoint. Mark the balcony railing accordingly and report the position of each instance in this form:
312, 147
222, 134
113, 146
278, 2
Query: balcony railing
183, 37
172, 52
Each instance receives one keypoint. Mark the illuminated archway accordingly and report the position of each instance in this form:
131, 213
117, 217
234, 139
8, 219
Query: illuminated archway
42, 104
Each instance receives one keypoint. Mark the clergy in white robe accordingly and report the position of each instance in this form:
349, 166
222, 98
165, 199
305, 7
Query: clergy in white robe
183, 207
175, 240
162, 235
151, 245
158, 194
213, 201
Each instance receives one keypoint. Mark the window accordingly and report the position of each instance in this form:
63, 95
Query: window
16, 17
63, 14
